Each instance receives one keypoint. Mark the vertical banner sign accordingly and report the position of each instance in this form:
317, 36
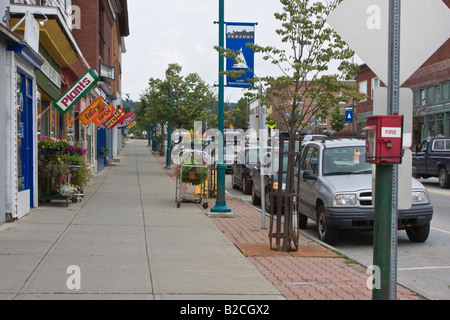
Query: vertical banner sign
349, 115
92, 112
238, 36
70, 98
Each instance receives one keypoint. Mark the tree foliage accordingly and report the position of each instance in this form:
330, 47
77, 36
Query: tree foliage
337, 119
178, 99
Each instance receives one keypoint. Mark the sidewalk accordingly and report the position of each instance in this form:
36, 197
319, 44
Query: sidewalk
129, 241
313, 273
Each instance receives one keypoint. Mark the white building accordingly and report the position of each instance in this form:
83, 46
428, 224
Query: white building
18, 122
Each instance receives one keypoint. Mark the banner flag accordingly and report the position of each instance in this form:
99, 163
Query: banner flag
238, 36
105, 115
71, 97
128, 119
92, 112
118, 116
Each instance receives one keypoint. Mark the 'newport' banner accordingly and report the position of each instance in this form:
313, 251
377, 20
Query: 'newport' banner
70, 98
238, 36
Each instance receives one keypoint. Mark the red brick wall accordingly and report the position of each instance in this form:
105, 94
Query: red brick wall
89, 36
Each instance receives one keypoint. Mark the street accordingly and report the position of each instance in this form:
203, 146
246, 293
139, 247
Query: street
423, 267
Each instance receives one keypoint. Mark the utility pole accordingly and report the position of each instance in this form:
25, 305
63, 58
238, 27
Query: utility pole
386, 193
221, 209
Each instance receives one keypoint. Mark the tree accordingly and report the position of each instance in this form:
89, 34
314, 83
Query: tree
239, 116
337, 119
178, 99
306, 88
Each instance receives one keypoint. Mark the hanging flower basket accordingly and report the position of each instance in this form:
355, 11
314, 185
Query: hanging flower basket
193, 175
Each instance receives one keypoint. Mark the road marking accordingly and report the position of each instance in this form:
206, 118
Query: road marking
423, 268
439, 191
440, 230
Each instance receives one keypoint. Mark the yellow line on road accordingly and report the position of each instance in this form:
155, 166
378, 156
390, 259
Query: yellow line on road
447, 193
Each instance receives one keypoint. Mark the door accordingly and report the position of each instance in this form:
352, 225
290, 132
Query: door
309, 162
25, 163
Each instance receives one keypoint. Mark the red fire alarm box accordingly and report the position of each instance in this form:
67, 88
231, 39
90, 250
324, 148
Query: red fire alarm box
384, 139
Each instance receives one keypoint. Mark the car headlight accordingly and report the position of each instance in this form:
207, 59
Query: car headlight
419, 197
275, 186
344, 200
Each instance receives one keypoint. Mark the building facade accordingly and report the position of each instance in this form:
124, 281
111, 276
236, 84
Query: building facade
101, 37
18, 123
431, 89
40, 59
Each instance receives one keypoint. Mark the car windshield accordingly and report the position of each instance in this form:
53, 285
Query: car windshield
346, 160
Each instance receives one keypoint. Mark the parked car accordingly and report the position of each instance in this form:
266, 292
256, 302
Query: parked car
335, 184
271, 181
432, 159
246, 160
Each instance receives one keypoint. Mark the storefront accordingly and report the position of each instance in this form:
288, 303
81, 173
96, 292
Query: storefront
18, 125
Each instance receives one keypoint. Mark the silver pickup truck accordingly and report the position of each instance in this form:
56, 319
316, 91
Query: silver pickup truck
335, 184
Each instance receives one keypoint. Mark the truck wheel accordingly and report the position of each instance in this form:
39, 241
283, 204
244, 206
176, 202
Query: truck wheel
418, 234
326, 233
444, 181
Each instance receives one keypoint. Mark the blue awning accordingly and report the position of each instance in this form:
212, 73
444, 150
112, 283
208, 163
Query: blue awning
27, 54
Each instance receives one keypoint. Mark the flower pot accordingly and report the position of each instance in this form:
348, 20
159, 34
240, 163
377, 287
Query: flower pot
192, 175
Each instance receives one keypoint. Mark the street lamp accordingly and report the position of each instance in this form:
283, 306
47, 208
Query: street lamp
221, 209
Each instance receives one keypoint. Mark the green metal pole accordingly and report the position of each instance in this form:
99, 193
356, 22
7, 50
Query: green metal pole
169, 150
149, 134
382, 231
221, 205
155, 140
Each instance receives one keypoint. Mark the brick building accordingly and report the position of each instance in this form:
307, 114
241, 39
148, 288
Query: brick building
307, 108
101, 36
431, 88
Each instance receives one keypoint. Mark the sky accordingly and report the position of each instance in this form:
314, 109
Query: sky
183, 31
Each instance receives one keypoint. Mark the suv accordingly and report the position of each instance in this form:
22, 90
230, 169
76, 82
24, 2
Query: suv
336, 192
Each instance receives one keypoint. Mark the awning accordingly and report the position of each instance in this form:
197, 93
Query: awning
107, 90
27, 54
55, 36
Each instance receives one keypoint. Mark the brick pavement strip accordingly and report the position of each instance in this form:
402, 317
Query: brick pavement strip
313, 273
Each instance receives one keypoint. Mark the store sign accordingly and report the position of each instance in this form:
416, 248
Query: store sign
71, 97
128, 119
105, 115
117, 117
131, 125
92, 112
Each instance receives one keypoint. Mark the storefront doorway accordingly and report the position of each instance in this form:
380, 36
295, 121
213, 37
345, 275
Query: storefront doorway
25, 150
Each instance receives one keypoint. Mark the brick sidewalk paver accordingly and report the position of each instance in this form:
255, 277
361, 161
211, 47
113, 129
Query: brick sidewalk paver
314, 273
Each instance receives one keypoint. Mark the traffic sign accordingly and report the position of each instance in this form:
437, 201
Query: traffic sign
364, 25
